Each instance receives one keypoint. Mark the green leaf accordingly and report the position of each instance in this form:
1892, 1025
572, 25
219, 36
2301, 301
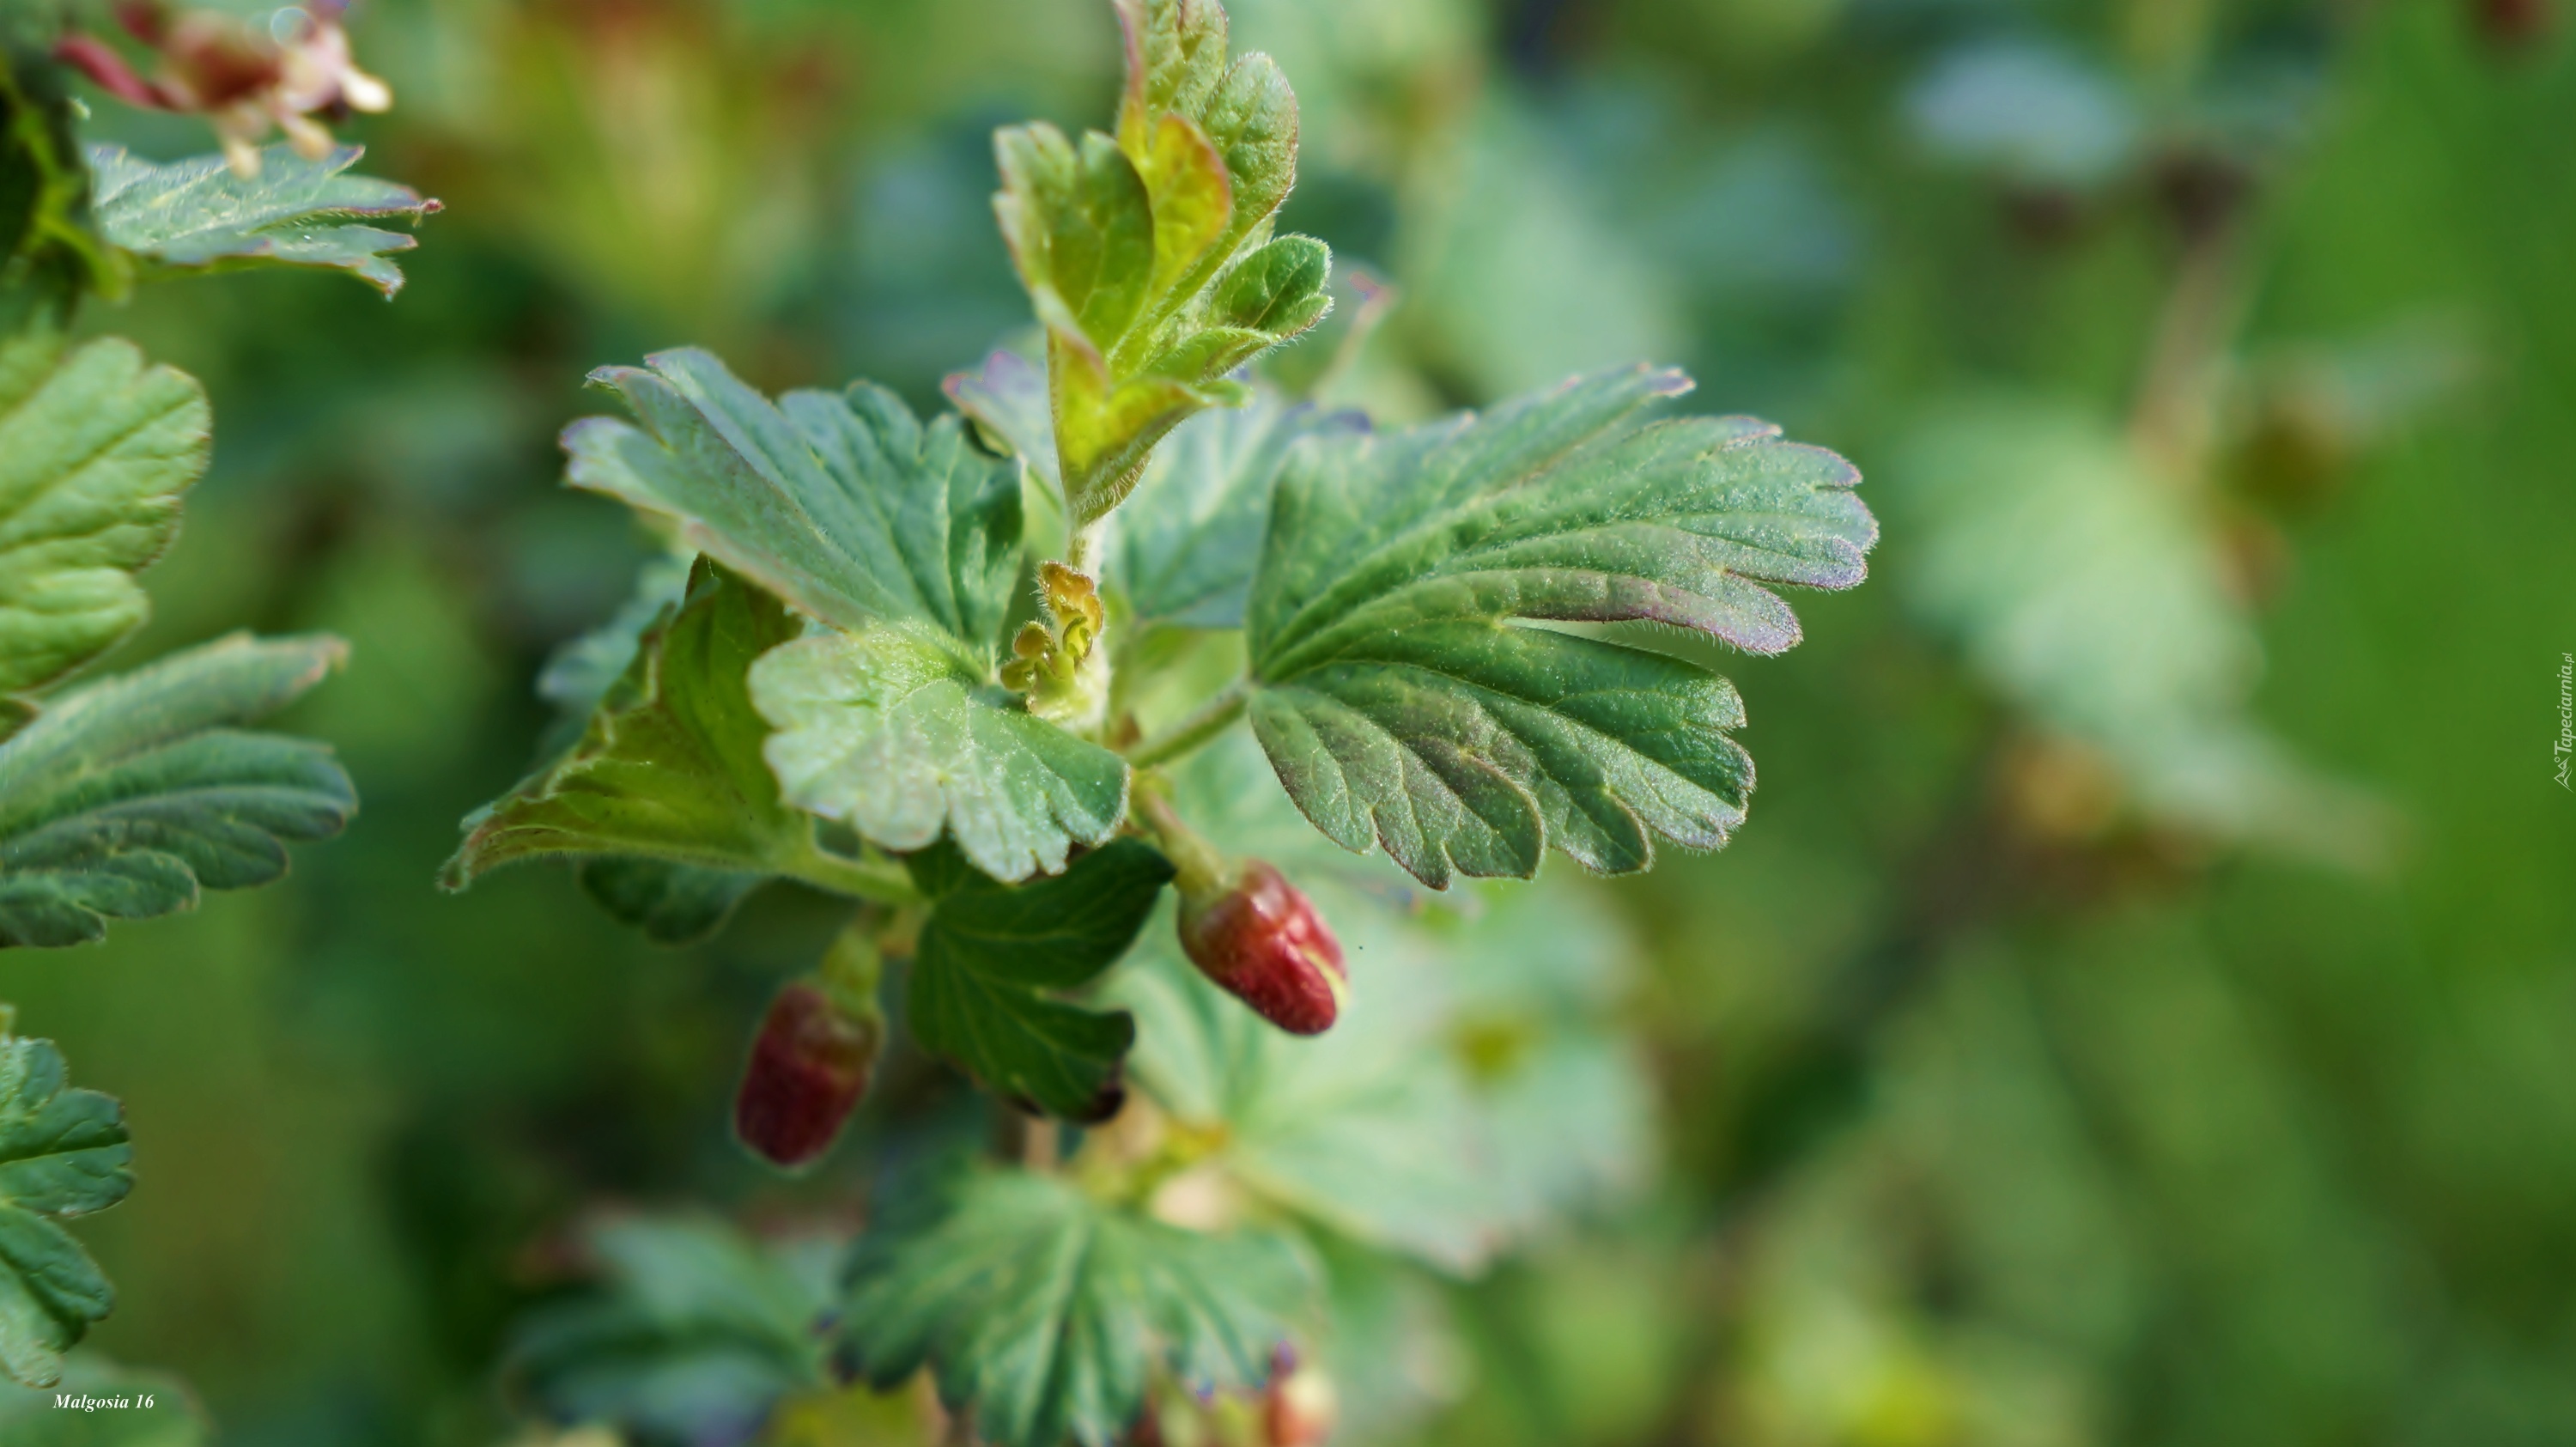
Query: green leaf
1368, 1128
1182, 554
581, 670
890, 732
905, 539
198, 215
696, 1335
124, 798
670, 767
1399, 704
1007, 396
96, 448
160, 1411
50, 251
993, 957
1475, 1090
1147, 255
63, 1153
673, 904
2084, 589
1044, 1312
843, 504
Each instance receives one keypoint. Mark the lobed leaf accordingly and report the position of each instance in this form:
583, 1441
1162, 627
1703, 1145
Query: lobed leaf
63, 1153
583, 668
1400, 704
96, 448
124, 798
905, 540
1182, 555
672, 903
843, 504
1044, 1312
1147, 256
199, 215
1475, 1091
993, 957
891, 733
695, 1335
670, 766
1369, 1129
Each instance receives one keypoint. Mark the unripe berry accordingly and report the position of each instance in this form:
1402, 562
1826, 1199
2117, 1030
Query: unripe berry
1259, 938
809, 1065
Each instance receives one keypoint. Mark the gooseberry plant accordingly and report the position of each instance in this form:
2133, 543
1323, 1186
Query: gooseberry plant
124, 796
989, 676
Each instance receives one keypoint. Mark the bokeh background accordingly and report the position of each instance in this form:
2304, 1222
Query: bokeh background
2139, 1010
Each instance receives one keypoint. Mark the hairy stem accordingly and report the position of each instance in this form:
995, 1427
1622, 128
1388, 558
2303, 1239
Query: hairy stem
1082, 546
881, 880
1203, 869
1210, 719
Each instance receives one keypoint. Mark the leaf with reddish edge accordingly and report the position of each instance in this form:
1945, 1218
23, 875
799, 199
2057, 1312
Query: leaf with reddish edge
1405, 703
1147, 255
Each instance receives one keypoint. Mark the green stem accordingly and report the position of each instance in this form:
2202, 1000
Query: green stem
1082, 545
1203, 869
853, 967
882, 880
1211, 719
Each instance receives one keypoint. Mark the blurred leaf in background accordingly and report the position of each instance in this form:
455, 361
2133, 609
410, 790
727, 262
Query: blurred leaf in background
2002, 1082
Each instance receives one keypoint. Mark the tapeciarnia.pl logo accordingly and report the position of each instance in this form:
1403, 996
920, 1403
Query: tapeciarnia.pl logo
2565, 749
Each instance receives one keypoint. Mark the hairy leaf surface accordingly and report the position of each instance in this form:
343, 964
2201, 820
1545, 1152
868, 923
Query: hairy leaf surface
904, 540
1182, 552
670, 766
95, 452
1045, 1312
582, 669
199, 215
1147, 255
672, 903
843, 504
124, 798
1401, 704
890, 732
994, 957
63, 1153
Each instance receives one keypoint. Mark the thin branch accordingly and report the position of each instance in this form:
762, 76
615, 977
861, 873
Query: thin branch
881, 880
1211, 719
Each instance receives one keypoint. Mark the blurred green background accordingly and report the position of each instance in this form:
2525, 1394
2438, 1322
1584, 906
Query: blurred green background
2139, 1010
